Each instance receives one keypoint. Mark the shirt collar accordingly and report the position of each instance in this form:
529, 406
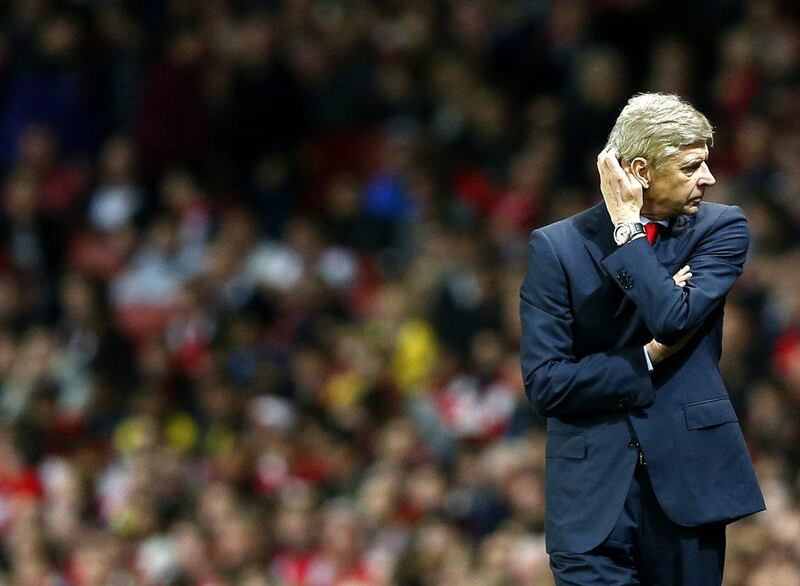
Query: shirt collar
644, 221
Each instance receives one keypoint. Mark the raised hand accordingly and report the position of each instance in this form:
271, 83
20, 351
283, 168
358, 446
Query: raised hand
622, 192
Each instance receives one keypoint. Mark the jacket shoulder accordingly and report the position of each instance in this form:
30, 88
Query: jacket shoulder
711, 212
567, 227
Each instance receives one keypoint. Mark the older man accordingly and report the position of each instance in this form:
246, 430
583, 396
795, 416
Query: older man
621, 312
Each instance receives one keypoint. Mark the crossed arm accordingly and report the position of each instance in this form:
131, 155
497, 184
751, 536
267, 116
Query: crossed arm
670, 311
560, 384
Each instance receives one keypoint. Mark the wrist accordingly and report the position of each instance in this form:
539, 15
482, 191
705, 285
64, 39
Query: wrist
625, 232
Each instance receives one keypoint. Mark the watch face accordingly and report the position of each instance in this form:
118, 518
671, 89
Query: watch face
622, 233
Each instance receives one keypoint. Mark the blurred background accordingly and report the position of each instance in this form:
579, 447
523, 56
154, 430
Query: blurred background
259, 274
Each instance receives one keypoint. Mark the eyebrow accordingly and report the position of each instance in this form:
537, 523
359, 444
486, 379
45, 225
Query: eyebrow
693, 161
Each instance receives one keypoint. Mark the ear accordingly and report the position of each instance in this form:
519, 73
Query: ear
641, 170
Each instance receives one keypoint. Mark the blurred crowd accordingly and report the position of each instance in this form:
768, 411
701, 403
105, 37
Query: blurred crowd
259, 274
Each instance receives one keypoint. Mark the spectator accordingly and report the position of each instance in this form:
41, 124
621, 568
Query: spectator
259, 271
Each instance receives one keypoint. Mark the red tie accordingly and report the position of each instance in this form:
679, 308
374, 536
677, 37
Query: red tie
652, 229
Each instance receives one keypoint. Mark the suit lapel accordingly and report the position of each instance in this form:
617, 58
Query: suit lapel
598, 234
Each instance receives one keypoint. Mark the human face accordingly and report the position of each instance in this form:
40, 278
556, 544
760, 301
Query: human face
678, 186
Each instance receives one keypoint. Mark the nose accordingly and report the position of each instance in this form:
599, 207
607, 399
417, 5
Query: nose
706, 178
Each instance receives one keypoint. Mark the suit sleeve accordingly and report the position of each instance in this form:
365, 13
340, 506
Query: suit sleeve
671, 311
559, 384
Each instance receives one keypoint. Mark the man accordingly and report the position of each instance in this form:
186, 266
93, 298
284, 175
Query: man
621, 311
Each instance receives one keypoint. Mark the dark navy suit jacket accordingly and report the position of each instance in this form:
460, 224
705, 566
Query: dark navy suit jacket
587, 308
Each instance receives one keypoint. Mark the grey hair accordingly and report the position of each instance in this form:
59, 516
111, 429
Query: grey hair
656, 126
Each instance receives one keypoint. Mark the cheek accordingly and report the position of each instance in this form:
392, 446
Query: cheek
683, 188
675, 191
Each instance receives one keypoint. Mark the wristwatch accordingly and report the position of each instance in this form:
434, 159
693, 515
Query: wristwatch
625, 232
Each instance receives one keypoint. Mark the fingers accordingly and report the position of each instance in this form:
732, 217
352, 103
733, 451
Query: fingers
607, 161
619, 182
608, 164
613, 181
605, 153
602, 167
682, 276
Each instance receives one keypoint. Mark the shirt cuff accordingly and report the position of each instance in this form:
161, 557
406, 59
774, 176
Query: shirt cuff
647, 358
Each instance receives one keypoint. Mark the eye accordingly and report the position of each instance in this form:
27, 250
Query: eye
691, 169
